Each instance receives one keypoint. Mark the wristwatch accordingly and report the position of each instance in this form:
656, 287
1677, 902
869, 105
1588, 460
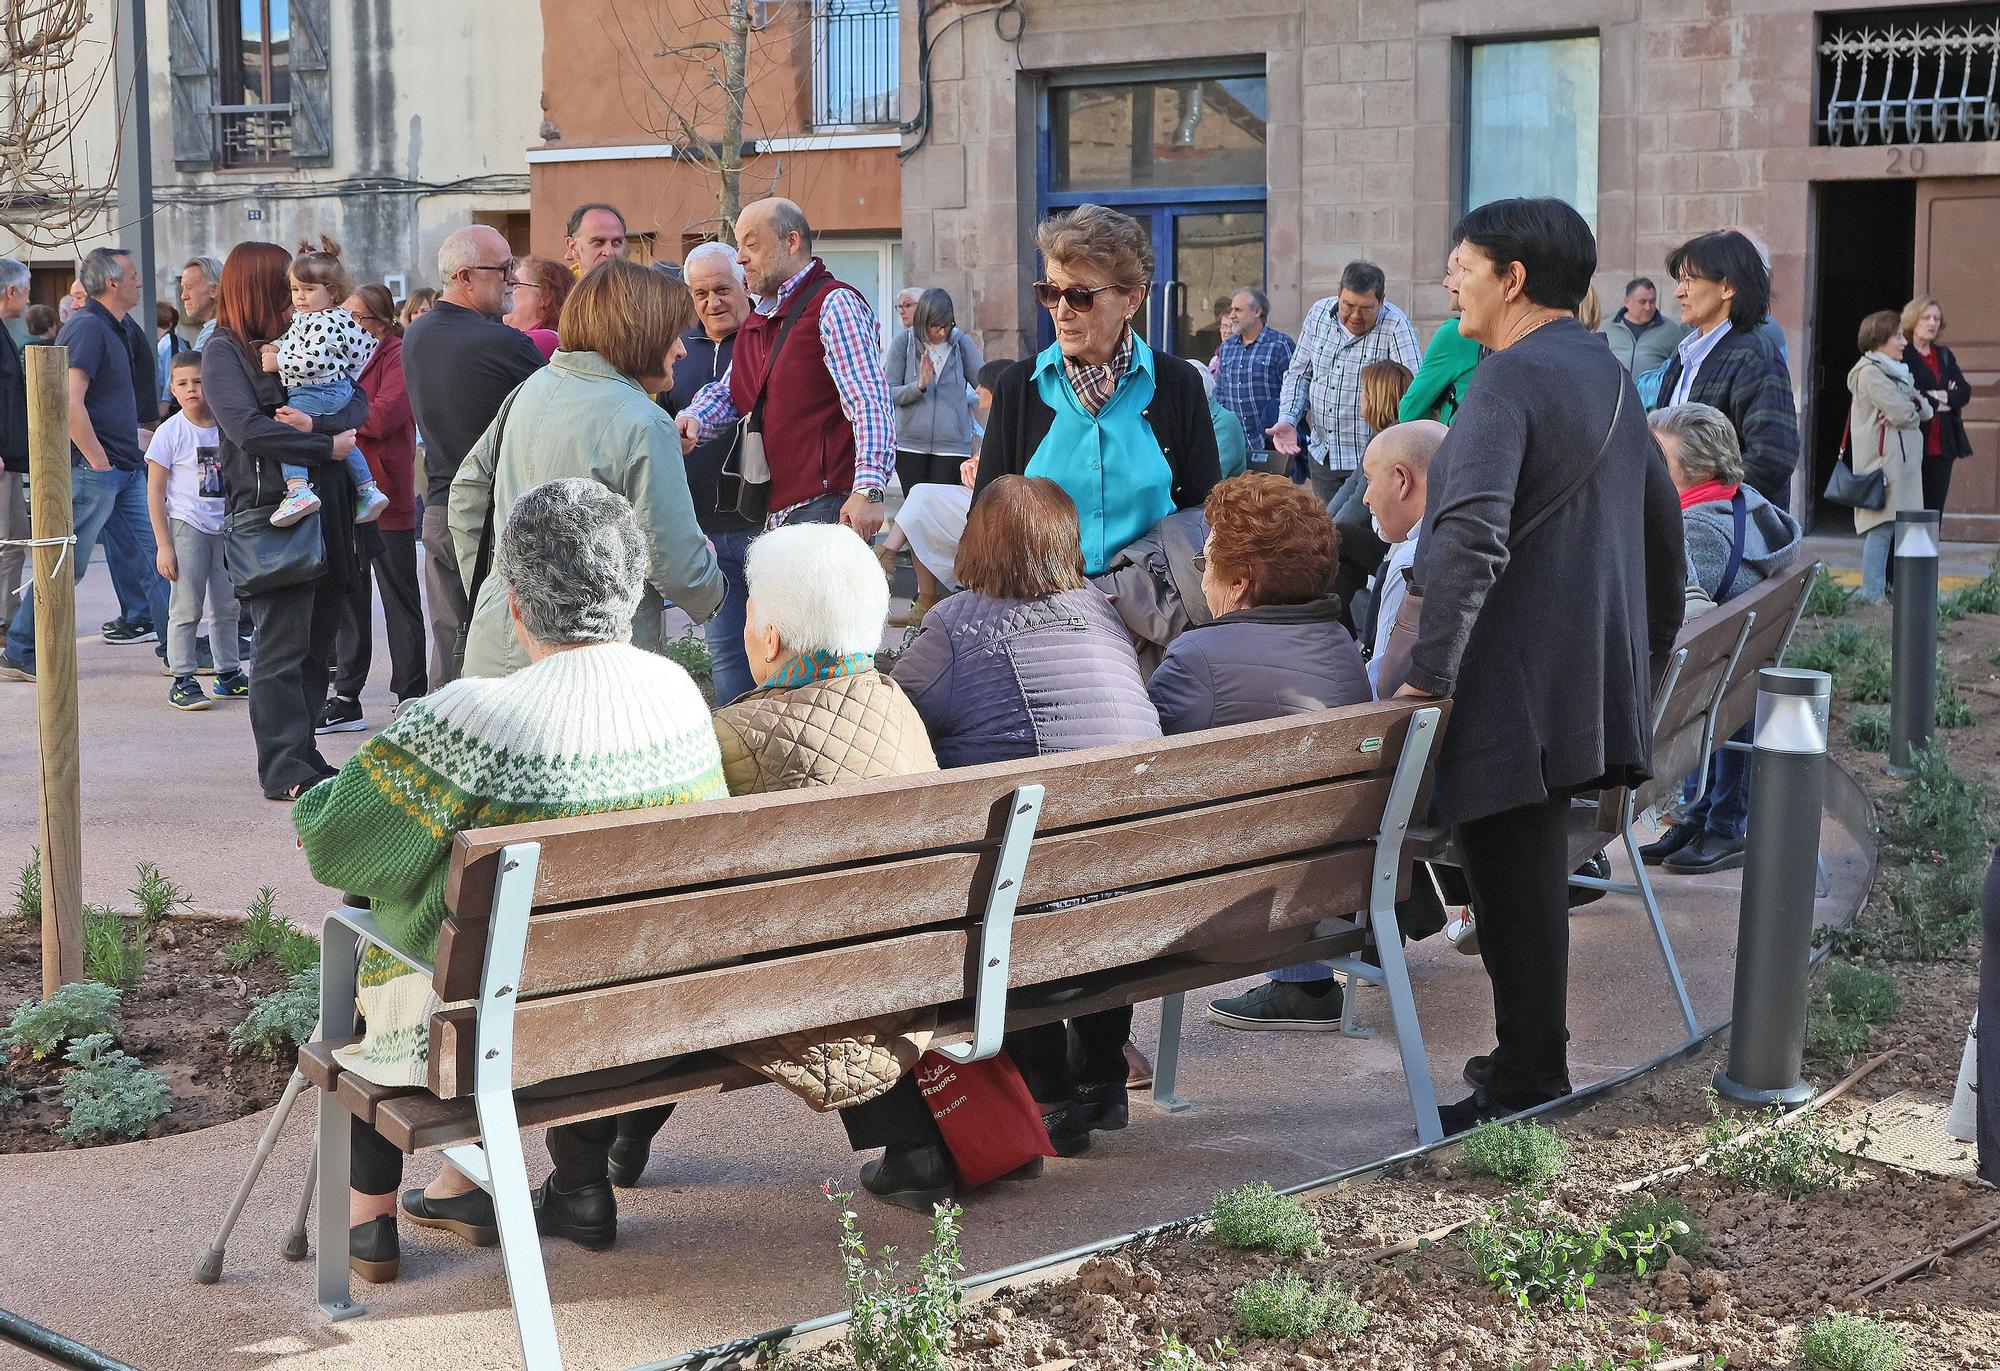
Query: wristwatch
875, 494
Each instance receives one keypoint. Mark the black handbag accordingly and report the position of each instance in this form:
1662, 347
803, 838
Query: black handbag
261, 557
1857, 492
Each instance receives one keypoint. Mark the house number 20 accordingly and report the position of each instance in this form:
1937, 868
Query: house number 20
1906, 160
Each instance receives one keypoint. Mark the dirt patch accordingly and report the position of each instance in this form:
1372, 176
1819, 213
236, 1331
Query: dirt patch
176, 1021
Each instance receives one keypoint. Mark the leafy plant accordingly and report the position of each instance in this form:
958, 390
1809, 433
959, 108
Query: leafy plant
112, 954
1175, 1355
1521, 1153
297, 952
28, 887
9, 1097
280, 1021
1842, 1342
263, 934
1949, 709
691, 653
1533, 1261
1829, 651
1667, 1215
74, 1011
1981, 597
1870, 678
158, 896
1826, 598
109, 1096
898, 1322
1790, 1157
1291, 1308
1868, 730
1860, 992
1257, 1216
1941, 810
1830, 1038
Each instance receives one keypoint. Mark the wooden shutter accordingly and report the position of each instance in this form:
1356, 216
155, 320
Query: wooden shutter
191, 61
312, 82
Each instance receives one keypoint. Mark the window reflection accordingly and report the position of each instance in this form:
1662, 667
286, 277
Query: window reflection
1531, 122
1194, 132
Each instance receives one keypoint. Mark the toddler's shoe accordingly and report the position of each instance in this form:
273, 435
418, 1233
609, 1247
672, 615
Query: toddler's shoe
369, 502
294, 507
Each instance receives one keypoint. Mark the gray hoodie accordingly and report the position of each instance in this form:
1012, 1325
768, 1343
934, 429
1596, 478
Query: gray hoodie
1770, 542
936, 418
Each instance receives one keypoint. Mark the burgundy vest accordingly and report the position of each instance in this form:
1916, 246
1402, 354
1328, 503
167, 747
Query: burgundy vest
807, 439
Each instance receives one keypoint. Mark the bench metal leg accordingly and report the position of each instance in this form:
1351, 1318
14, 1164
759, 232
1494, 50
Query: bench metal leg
1403, 1016
1167, 1058
340, 952
520, 1243
1350, 1024
1646, 897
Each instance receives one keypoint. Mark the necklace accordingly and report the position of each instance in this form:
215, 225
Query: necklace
1549, 318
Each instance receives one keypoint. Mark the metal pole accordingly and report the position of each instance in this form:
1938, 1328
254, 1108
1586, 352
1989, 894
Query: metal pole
1913, 694
1775, 920
132, 227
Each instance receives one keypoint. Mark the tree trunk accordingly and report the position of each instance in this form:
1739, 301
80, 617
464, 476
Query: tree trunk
735, 64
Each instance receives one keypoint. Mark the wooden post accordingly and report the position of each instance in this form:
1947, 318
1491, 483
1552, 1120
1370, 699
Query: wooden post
49, 514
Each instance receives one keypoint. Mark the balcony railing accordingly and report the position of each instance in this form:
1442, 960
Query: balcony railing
855, 75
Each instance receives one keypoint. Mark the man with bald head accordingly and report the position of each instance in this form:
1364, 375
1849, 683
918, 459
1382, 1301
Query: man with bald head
459, 363
808, 369
1397, 468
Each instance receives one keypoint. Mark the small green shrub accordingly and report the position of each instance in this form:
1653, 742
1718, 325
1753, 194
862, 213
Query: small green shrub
109, 1096
898, 1321
73, 1012
263, 932
1842, 1342
1826, 598
1293, 1309
9, 1097
297, 952
158, 896
691, 653
1870, 678
1667, 1215
281, 1021
1941, 811
1175, 1355
1790, 1157
112, 953
1868, 730
1257, 1216
1524, 1153
1829, 651
28, 887
1982, 597
1830, 1038
1860, 993
1533, 1260
1950, 709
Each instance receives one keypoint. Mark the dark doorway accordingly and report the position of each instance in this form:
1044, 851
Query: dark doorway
1864, 260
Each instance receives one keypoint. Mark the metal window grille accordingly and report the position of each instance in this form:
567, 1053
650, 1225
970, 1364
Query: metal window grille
855, 54
1904, 76
254, 135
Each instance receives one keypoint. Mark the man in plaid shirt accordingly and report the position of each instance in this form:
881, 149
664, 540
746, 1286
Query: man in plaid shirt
1250, 366
1341, 335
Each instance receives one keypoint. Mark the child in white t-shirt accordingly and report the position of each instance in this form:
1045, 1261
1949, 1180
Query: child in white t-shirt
184, 492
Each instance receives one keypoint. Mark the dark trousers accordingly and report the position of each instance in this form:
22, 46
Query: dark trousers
915, 469
296, 629
449, 609
1937, 482
898, 1117
1989, 1029
579, 1150
388, 560
1724, 808
1517, 870
1055, 1058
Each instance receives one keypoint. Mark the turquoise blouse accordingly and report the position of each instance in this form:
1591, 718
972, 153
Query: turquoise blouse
1110, 464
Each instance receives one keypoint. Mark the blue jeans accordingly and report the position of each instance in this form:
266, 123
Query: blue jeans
1876, 544
1724, 808
320, 401
731, 669
100, 502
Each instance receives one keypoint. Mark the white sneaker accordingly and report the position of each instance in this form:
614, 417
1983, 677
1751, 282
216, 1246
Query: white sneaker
294, 507
1460, 931
369, 502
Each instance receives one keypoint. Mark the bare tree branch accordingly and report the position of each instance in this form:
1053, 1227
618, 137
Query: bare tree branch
44, 196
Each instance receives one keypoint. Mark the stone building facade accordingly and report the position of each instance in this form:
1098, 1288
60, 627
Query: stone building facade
1380, 121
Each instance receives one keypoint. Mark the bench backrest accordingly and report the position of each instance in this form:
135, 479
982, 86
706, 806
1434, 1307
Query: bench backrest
665, 931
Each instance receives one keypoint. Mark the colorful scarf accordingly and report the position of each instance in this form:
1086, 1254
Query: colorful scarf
808, 667
1095, 384
1708, 492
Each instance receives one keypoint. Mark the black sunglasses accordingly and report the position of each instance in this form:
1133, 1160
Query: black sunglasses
1082, 299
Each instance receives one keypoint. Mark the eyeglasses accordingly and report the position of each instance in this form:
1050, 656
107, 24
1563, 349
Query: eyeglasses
1200, 562
1082, 299
505, 268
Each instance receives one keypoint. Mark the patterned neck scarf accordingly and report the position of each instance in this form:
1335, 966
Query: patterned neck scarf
1095, 384
808, 667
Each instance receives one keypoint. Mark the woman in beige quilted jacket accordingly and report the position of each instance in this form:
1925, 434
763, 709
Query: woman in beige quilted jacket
1885, 432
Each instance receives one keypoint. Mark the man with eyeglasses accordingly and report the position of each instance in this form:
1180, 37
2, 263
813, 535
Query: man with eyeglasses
459, 362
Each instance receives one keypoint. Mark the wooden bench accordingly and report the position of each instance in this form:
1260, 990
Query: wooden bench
999, 896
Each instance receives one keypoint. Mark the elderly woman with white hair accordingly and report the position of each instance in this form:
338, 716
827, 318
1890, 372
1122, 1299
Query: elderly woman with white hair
590, 724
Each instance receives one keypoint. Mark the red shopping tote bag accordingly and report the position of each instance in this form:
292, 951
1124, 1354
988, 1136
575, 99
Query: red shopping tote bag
991, 1124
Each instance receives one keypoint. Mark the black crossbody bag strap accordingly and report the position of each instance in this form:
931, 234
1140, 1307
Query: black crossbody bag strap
825, 286
1549, 510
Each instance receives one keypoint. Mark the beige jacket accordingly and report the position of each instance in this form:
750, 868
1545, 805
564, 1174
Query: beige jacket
848, 728
1885, 433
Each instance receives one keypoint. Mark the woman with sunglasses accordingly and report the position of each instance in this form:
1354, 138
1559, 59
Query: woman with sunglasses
1129, 440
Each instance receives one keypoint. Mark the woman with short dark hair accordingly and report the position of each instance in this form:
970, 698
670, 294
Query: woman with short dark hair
931, 367
1885, 433
1724, 290
590, 412
1936, 373
1548, 503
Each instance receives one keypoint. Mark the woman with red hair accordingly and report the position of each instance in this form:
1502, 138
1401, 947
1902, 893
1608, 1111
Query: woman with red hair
297, 614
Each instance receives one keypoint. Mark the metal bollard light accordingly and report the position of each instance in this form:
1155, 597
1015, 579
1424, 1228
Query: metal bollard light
1775, 919
1913, 690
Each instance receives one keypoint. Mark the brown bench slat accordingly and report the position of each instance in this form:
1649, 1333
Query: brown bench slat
565, 1035
627, 940
317, 1064
420, 1122
362, 1097
655, 851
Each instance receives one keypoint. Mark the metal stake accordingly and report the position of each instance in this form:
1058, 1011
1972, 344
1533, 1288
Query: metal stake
1913, 693
1775, 920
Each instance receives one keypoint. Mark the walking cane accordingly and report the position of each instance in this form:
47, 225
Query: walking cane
208, 1266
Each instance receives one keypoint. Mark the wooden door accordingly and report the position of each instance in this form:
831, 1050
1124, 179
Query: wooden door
1958, 221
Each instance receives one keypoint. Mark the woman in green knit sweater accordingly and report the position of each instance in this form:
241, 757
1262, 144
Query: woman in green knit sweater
592, 724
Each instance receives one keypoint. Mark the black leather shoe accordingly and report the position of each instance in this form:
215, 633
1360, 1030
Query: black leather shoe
588, 1216
1069, 1132
1667, 844
1709, 852
917, 1178
470, 1215
1479, 1073
1480, 1107
1106, 1106
373, 1252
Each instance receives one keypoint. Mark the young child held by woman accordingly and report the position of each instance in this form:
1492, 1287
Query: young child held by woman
318, 358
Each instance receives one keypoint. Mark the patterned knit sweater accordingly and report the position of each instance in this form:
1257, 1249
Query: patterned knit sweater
581, 732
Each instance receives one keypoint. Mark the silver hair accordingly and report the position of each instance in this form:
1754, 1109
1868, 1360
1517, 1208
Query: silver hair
211, 268
1709, 450
460, 250
13, 274
1259, 301
719, 253
820, 587
575, 560
100, 268
934, 308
